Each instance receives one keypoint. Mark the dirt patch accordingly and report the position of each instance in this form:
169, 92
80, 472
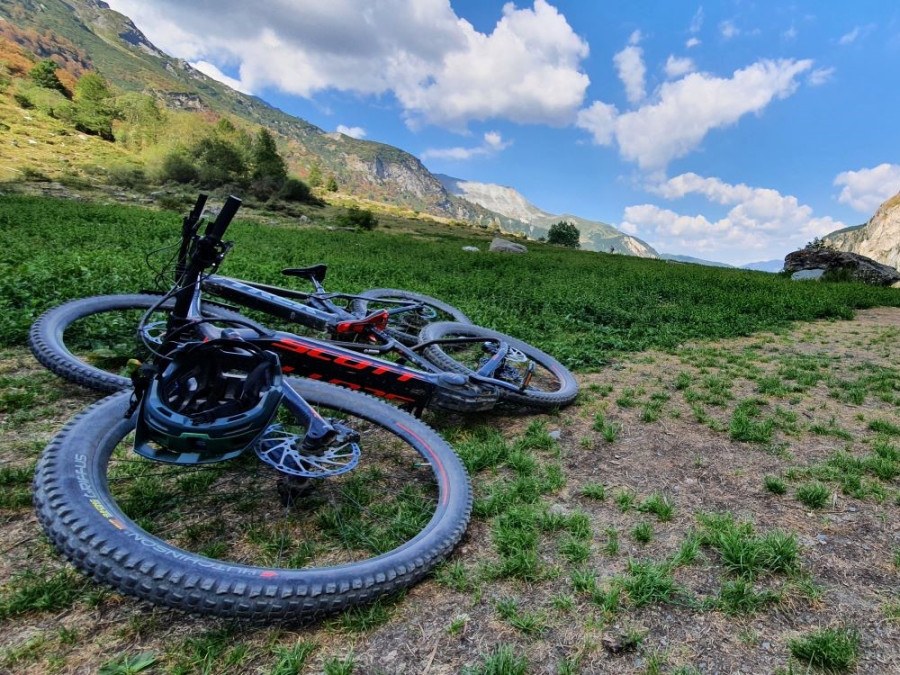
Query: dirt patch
706, 428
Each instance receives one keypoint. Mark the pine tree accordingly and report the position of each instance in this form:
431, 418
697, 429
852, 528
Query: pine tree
44, 75
269, 168
315, 176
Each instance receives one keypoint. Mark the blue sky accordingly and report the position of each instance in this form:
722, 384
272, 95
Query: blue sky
734, 131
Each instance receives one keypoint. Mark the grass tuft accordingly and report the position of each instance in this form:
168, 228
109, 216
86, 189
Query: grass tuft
815, 495
834, 650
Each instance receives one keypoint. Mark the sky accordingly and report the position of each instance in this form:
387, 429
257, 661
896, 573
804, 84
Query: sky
734, 131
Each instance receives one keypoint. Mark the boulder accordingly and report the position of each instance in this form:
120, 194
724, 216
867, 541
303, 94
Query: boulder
859, 267
499, 245
471, 249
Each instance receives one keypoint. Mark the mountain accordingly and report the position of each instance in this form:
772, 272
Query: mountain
85, 35
765, 266
535, 223
90, 35
878, 239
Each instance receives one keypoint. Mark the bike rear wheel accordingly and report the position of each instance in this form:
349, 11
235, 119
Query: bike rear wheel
406, 326
237, 539
89, 341
546, 385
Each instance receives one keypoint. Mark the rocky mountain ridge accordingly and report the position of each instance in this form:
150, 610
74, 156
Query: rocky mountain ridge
878, 239
535, 223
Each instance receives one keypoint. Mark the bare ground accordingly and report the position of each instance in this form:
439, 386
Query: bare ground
670, 420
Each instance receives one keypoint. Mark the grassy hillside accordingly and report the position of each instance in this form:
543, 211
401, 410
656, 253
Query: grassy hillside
576, 305
90, 35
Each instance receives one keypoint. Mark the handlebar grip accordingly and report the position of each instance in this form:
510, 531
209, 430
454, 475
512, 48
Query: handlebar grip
217, 229
197, 211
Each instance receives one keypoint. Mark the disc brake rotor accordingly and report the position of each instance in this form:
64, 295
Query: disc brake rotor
284, 450
154, 332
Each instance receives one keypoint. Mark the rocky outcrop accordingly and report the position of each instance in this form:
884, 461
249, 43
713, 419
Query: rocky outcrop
878, 239
857, 266
499, 245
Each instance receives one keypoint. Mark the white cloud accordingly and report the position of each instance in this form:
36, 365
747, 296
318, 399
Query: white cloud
600, 120
692, 42
441, 70
212, 71
492, 144
790, 33
820, 76
352, 132
857, 33
728, 30
865, 190
686, 110
758, 220
677, 66
697, 20
493, 139
630, 67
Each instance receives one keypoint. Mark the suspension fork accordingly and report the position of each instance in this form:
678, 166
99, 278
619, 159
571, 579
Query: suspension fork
318, 430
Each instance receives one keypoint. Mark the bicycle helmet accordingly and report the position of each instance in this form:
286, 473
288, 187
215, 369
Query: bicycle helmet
210, 403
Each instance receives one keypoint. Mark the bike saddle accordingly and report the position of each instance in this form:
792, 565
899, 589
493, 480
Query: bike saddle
316, 272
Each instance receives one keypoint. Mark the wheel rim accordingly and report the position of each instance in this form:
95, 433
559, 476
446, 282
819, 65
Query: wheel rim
245, 512
107, 340
519, 369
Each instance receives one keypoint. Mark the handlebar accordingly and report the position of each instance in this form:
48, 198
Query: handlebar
197, 211
207, 252
189, 226
216, 230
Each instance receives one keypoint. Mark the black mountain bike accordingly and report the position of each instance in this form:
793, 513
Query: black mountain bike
370, 339
371, 500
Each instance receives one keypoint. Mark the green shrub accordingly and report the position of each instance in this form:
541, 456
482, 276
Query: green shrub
44, 75
177, 168
294, 190
358, 218
564, 234
126, 175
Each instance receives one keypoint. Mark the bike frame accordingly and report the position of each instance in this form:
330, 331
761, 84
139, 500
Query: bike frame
337, 363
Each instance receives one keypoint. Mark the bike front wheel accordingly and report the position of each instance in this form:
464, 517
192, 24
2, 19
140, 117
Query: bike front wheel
406, 326
90, 340
238, 538
540, 380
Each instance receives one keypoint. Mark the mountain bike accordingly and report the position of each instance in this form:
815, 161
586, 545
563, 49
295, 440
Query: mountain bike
347, 497
459, 366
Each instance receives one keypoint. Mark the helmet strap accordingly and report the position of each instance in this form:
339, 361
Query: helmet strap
140, 380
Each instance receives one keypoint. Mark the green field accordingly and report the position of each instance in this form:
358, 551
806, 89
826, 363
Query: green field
701, 508
579, 306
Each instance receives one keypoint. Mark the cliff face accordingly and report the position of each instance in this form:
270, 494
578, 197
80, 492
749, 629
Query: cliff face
878, 239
